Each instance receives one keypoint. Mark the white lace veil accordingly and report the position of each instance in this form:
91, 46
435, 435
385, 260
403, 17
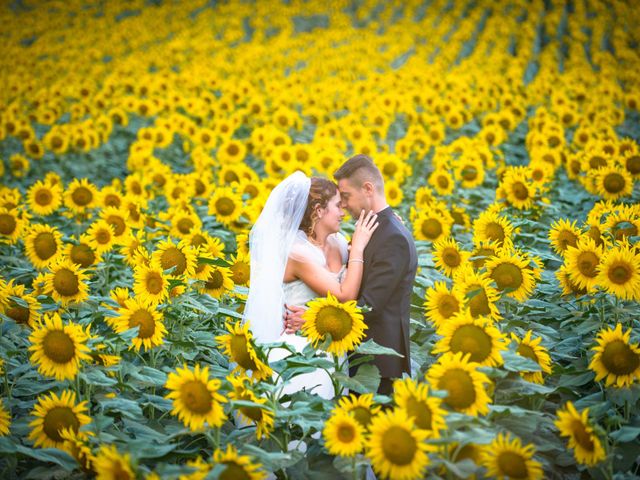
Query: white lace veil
270, 241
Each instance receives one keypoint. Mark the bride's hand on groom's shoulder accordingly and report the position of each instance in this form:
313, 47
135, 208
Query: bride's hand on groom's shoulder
293, 320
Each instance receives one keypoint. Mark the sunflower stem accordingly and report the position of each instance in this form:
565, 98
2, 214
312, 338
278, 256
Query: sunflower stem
354, 468
337, 388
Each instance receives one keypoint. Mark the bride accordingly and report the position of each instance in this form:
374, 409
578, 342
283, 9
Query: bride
297, 254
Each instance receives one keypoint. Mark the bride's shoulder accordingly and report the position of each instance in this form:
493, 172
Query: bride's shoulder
339, 242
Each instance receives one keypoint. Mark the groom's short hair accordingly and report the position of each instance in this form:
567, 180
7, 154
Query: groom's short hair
359, 169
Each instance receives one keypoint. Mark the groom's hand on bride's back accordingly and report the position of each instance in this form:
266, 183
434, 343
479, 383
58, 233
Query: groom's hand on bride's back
293, 318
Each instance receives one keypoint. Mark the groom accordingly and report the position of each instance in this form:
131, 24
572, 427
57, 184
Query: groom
390, 263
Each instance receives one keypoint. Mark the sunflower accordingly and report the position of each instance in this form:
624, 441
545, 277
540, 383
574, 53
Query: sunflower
108, 464
54, 414
477, 337
562, 235
76, 444
181, 258
361, 407
586, 446
619, 272
226, 205
240, 267
101, 236
218, 281
512, 275
343, 434
5, 420
612, 183
343, 321
150, 285
195, 396
261, 416
448, 257
183, 223
507, 458
11, 225
43, 198
395, 447
483, 252
19, 165
569, 287
58, 349
136, 313
414, 399
531, 349
463, 382
469, 171
442, 181
110, 196
623, 222
80, 195
81, 253
432, 225
43, 245
492, 227
237, 466
441, 304
118, 219
134, 250
518, 189
66, 283
478, 293
582, 262
24, 315
238, 346
616, 360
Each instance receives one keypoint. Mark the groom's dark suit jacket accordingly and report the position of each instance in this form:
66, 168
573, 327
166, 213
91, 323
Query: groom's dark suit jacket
390, 263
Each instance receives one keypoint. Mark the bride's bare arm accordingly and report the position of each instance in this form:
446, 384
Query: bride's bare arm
321, 280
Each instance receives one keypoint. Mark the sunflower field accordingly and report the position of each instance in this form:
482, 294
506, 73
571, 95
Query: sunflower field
139, 141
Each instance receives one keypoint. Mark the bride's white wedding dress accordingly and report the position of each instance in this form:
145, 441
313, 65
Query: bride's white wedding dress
298, 293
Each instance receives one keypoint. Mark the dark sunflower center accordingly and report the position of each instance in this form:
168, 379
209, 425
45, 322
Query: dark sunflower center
624, 229
173, 257
240, 352
59, 418
566, 238
469, 173
507, 275
581, 435
619, 359
45, 245
362, 415
214, 281
512, 465
390, 169
82, 196
145, 321
459, 385
596, 162
346, 433
66, 282
185, 225
471, 339
233, 471
196, 397
613, 183
448, 306
82, 255
399, 446
230, 176
520, 191
420, 411
118, 224
225, 206
198, 240
620, 273
240, 272
443, 181
18, 313
112, 200
154, 283
633, 164
451, 257
431, 228
58, 346
587, 264
527, 352
594, 233
482, 252
494, 231
43, 197
8, 224
479, 303
103, 236
335, 321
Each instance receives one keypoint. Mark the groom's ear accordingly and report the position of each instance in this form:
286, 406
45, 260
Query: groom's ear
368, 188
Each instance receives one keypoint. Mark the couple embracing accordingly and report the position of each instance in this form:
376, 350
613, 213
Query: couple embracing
298, 254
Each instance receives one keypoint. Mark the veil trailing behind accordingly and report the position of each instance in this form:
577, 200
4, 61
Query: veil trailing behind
270, 241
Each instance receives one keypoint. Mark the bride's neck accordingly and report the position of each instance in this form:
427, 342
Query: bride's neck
319, 239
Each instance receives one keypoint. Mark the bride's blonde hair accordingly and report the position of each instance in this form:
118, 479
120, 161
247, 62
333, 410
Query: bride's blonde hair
320, 192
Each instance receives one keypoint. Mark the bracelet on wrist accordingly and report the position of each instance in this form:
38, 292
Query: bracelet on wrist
358, 260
